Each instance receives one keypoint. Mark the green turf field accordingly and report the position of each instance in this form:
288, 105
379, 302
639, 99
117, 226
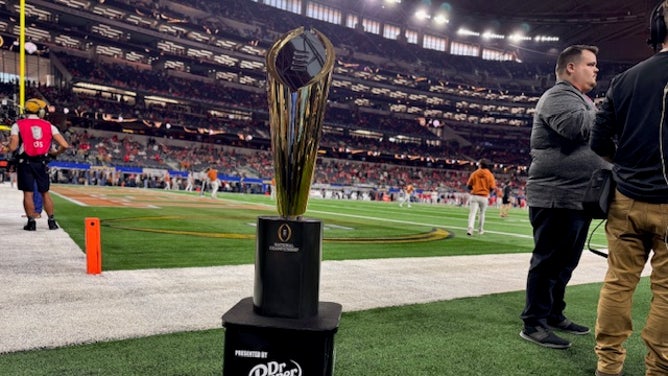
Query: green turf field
184, 230
462, 337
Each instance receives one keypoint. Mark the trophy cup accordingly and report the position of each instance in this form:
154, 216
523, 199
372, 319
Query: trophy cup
284, 329
287, 268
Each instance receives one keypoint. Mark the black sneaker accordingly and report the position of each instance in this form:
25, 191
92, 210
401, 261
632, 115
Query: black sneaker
544, 337
52, 224
31, 225
569, 326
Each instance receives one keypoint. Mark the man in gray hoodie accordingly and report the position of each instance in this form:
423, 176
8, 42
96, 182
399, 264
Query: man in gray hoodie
561, 166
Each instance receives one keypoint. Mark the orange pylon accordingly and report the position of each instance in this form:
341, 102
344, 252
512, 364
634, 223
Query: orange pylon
93, 246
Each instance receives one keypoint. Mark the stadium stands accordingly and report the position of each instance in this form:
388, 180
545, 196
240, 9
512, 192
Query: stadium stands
188, 76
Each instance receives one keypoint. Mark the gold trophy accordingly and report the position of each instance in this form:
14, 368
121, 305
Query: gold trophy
288, 249
283, 328
299, 73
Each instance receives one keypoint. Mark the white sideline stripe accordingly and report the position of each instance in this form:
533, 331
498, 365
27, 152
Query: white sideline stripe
410, 223
416, 223
394, 220
433, 225
68, 198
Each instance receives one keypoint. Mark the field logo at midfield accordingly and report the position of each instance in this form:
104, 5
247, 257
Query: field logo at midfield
130, 224
140, 198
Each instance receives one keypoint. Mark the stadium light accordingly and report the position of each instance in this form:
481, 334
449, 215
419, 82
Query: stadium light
492, 35
443, 14
467, 33
545, 38
515, 37
441, 19
422, 14
518, 37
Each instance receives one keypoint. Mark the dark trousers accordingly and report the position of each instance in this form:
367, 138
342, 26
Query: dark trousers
559, 237
37, 199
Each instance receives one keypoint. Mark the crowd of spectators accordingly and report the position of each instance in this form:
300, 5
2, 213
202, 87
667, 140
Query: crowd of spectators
108, 149
223, 123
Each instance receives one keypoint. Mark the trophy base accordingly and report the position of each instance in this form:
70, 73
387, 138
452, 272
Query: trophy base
259, 345
287, 267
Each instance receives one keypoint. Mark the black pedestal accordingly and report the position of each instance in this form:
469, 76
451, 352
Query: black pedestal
257, 345
287, 267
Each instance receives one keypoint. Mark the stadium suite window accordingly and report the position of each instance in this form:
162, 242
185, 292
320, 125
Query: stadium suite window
412, 36
371, 26
488, 54
294, 6
434, 43
464, 49
391, 31
324, 13
351, 21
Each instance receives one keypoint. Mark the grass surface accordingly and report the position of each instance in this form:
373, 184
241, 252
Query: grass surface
471, 336
187, 231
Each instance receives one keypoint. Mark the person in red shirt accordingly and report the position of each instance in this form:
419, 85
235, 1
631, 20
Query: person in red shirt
32, 137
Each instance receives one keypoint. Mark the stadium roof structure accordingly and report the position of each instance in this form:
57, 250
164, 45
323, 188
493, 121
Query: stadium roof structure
619, 28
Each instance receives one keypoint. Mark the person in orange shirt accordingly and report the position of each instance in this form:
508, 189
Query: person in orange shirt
168, 181
480, 184
214, 183
408, 192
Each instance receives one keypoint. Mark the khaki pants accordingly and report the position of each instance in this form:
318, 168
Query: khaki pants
634, 230
477, 203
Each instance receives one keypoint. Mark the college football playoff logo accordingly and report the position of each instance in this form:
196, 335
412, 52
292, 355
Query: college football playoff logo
284, 233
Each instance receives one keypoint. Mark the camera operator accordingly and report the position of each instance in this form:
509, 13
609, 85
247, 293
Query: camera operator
32, 137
